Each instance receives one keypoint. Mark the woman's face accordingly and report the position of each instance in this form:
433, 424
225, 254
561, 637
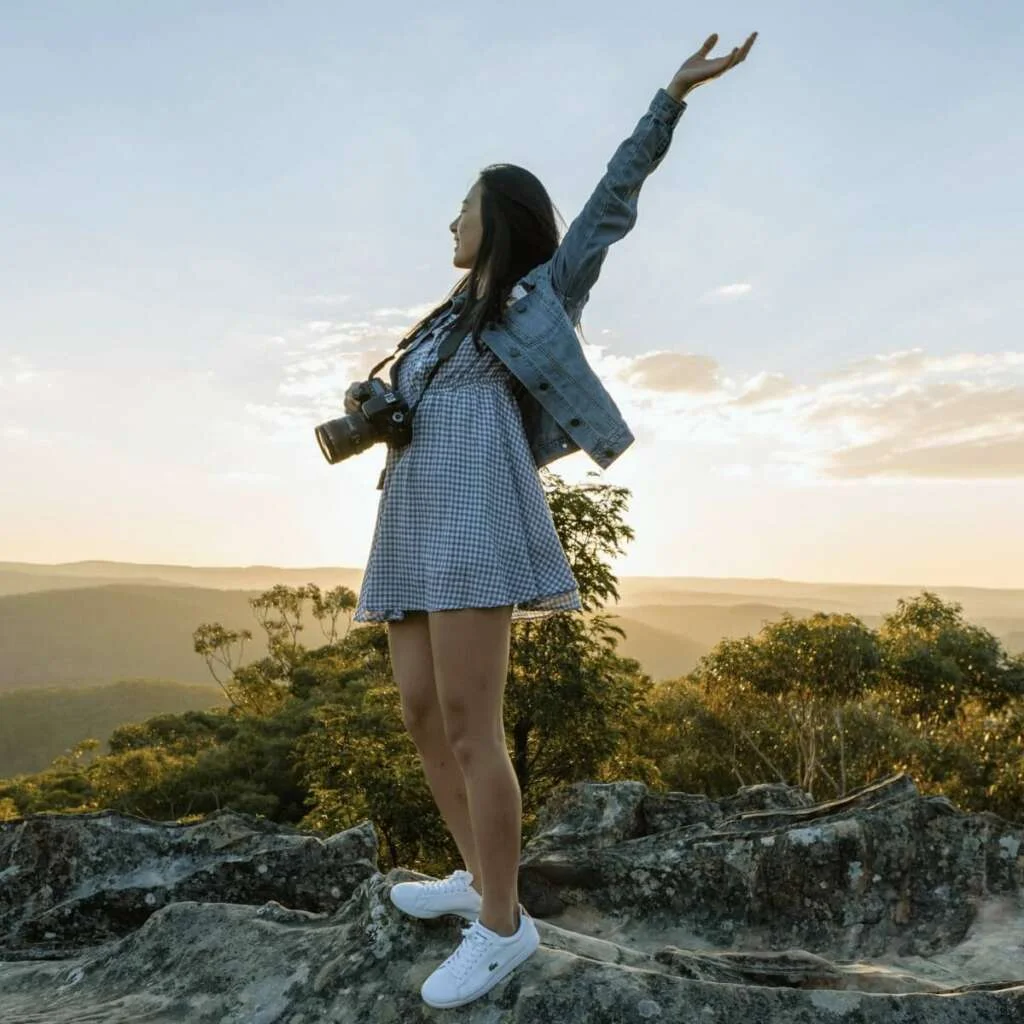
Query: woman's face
467, 229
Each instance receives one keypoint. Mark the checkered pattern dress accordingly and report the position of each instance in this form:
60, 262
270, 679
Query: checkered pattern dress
462, 520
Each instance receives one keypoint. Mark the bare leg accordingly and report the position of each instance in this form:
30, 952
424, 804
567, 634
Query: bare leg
471, 650
413, 665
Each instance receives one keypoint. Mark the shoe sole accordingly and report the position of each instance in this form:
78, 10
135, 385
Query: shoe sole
493, 980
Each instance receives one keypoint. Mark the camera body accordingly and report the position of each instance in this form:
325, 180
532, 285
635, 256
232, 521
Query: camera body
383, 416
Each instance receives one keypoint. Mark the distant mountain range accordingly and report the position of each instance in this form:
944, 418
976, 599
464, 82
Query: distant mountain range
89, 623
86, 646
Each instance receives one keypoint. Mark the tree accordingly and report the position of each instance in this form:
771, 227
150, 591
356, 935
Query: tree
361, 763
262, 687
804, 670
934, 660
573, 708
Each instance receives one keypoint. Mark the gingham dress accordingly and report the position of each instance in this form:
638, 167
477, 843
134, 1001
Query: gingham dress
462, 520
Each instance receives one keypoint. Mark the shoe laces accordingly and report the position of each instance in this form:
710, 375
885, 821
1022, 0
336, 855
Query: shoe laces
455, 882
473, 945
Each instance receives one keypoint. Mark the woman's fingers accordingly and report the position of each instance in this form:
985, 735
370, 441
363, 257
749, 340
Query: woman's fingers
738, 54
351, 404
698, 69
718, 65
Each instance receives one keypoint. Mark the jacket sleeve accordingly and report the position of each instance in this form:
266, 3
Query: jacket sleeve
611, 211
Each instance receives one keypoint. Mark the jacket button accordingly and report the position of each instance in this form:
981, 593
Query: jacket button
574, 422
543, 385
609, 454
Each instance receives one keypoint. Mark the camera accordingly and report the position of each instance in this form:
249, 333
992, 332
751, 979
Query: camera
383, 416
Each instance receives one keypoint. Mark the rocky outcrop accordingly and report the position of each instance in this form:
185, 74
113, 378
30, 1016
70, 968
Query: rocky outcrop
882, 870
663, 907
70, 881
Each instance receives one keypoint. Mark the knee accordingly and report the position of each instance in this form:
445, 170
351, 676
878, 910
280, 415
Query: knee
469, 745
422, 719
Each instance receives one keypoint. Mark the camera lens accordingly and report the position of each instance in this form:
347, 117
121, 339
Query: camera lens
346, 436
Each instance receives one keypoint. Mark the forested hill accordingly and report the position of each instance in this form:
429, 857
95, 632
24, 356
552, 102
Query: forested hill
91, 635
40, 724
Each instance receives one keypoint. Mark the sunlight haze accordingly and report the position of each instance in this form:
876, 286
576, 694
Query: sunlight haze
217, 216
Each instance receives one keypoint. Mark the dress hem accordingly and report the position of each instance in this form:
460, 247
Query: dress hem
524, 608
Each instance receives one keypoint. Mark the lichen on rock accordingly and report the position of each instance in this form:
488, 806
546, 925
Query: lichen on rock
764, 907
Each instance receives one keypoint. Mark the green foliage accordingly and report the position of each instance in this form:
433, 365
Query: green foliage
315, 736
827, 698
935, 661
589, 523
784, 691
360, 764
567, 663
572, 706
696, 749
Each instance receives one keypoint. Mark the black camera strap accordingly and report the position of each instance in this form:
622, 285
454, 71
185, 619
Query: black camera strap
445, 350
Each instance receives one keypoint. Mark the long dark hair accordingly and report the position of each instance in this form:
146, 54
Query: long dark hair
519, 233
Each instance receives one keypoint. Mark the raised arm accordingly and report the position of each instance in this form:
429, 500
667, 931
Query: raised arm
611, 211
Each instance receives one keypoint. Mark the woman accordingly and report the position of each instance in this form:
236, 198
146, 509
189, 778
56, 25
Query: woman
464, 541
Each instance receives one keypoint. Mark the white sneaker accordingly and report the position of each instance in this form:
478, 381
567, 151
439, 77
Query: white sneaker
481, 960
451, 895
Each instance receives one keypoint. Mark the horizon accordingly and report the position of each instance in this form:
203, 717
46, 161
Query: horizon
5, 565
813, 329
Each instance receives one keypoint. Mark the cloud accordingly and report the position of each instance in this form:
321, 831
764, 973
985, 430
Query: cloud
20, 371
930, 409
411, 313
764, 388
672, 371
914, 362
288, 420
958, 428
983, 458
905, 413
316, 360
727, 292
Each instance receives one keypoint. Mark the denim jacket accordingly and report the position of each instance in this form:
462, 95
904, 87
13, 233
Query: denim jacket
563, 403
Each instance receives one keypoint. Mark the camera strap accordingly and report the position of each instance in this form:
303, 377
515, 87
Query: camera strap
449, 345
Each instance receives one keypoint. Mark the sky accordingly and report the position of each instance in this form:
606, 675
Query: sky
215, 216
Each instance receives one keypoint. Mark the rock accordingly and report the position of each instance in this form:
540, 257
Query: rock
315, 938
71, 880
766, 796
878, 871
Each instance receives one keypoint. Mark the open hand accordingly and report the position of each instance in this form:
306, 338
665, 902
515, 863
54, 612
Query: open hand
697, 69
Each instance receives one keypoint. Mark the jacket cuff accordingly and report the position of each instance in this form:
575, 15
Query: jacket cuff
666, 109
